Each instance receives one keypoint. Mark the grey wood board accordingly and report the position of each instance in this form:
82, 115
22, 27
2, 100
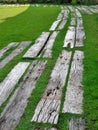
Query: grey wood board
48, 48
54, 25
38, 46
70, 37
62, 24
47, 110
76, 124
79, 22
14, 53
80, 36
74, 94
8, 47
78, 14
8, 84
14, 110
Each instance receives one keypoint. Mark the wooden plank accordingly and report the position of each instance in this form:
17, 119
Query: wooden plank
71, 8
7, 48
11, 80
47, 110
49, 45
74, 93
54, 25
85, 10
70, 37
78, 14
13, 112
14, 53
38, 46
60, 16
79, 22
61, 26
76, 124
80, 36
73, 21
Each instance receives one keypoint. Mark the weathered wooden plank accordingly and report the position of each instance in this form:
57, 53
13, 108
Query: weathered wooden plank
74, 94
11, 80
5, 49
80, 36
66, 13
14, 53
54, 25
71, 8
12, 113
70, 37
38, 46
79, 22
73, 21
49, 45
48, 108
60, 16
76, 124
78, 14
85, 10
61, 26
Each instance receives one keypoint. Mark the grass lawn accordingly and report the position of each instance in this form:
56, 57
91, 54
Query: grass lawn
27, 23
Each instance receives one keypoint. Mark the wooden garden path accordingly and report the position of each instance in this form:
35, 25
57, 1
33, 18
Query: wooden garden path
68, 65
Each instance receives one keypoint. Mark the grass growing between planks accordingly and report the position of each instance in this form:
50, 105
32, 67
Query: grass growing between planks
90, 78
27, 24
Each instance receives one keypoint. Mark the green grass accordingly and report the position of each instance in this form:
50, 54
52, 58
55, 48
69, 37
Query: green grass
27, 23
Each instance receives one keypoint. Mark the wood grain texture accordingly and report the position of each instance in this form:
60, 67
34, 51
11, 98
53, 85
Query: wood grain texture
14, 53
74, 93
47, 110
38, 46
70, 37
11, 80
7, 48
80, 36
12, 113
48, 48
76, 124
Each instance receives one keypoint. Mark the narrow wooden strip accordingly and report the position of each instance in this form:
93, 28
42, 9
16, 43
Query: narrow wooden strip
71, 8
11, 80
37, 47
85, 10
78, 14
16, 52
80, 36
47, 110
49, 45
5, 49
70, 37
61, 26
54, 25
76, 124
79, 22
74, 94
60, 16
13, 112
73, 21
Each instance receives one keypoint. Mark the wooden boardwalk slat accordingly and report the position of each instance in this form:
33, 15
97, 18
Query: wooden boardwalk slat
76, 124
79, 22
14, 53
14, 110
74, 93
11, 80
8, 47
80, 36
61, 26
70, 37
54, 25
48, 48
47, 110
78, 14
38, 46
